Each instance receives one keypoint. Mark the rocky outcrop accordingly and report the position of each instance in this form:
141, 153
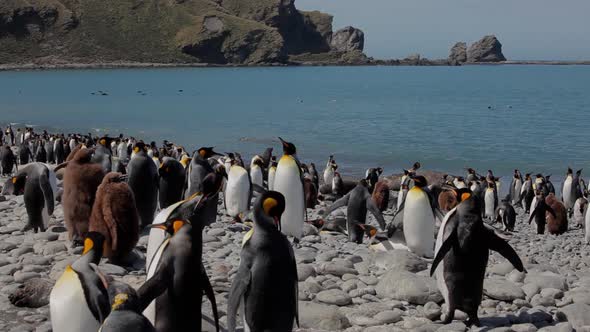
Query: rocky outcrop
54, 32
487, 49
458, 54
348, 39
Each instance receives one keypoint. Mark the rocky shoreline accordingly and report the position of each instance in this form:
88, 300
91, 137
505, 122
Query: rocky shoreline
342, 285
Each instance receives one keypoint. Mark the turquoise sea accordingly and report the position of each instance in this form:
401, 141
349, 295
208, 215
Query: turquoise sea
535, 118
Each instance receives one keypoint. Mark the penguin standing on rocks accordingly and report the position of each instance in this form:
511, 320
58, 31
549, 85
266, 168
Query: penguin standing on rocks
506, 215
265, 285
381, 195
172, 180
125, 315
58, 150
115, 216
7, 160
419, 218
256, 174
40, 153
199, 168
103, 154
490, 200
143, 180
527, 192
80, 181
540, 213
50, 152
79, 300
272, 171
372, 177
571, 191
556, 223
329, 171
39, 186
176, 278
549, 184
515, 187
357, 202
238, 191
289, 182
405, 184
462, 252
24, 153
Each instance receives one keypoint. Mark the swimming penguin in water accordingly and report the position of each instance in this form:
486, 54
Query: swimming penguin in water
256, 174
329, 170
419, 210
172, 180
125, 315
79, 300
103, 154
490, 200
265, 285
143, 181
199, 168
506, 215
272, 170
357, 202
39, 186
176, 278
115, 216
289, 182
80, 181
462, 252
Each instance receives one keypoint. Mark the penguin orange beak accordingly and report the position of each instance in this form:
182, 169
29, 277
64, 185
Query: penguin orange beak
158, 226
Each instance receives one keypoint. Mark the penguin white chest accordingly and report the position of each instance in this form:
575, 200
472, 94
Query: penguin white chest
567, 192
288, 182
439, 272
256, 175
419, 223
271, 177
68, 307
237, 191
587, 226
328, 175
490, 202
150, 311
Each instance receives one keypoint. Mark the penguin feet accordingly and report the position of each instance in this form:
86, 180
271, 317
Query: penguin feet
27, 227
472, 321
448, 318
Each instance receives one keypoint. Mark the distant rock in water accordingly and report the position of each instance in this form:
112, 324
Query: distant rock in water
348, 39
487, 49
458, 53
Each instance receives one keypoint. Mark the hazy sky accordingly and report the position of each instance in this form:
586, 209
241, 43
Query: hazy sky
527, 29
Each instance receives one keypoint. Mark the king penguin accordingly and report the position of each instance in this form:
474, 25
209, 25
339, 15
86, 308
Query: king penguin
115, 216
238, 191
272, 172
143, 180
125, 315
172, 180
103, 155
266, 284
79, 300
462, 250
515, 187
198, 169
329, 171
419, 218
256, 174
176, 278
289, 182
490, 200
39, 185
570, 191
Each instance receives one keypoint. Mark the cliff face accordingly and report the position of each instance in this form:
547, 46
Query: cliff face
165, 31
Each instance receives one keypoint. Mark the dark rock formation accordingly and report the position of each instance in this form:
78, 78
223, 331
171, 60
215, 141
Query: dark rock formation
348, 39
458, 53
487, 49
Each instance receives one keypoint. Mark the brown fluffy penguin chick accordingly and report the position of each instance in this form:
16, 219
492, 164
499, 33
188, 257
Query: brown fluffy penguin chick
73, 153
81, 179
556, 224
115, 216
381, 195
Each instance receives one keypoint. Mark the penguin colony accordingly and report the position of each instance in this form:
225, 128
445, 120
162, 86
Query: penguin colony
112, 189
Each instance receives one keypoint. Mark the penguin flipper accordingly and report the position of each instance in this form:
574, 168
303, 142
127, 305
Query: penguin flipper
337, 204
449, 239
550, 210
238, 289
293, 263
371, 206
502, 247
210, 295
156, 285
47, 192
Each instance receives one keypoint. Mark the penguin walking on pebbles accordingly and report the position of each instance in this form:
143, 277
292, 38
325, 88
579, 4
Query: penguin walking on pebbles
176, 278
265, 285
540, 213
329, 170
289, 182
79, 300
172, 180
199, 168
125, 315
238, 191
143, 180
80, 181
272, 171
39, 185
103, 154
115, 216
506, 215
357, 202
462, 251
7, 160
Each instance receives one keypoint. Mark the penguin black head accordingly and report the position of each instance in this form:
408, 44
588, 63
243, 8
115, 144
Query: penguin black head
207, 152
94, 246
379, 170
84, 155
15, 185
153, 144
579, 172
419, 181
259, 162
570, 171
220, 170
547, 177
462, 194
171, 225
416, 166
105, 141
271, 205
122, 296
470, 170
288, 148
491, 184
364, 183
139, 146
527, 176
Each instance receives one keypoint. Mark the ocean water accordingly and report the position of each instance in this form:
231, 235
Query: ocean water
535, 118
